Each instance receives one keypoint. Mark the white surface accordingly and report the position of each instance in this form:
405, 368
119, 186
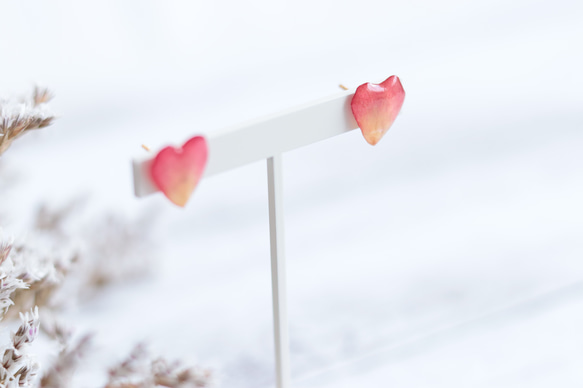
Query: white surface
469, 205
264, 137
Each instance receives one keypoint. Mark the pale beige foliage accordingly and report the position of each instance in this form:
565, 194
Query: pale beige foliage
19, 116
18, 368
138, 370
60, 373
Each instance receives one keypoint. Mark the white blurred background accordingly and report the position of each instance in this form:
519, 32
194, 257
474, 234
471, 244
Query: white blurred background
449, 255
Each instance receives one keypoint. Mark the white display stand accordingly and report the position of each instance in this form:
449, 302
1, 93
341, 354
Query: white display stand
267, 139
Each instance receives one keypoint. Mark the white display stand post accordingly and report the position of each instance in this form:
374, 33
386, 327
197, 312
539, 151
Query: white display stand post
278, 281
268, 139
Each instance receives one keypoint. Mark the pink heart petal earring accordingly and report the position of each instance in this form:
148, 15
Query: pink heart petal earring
177, 171
376, 106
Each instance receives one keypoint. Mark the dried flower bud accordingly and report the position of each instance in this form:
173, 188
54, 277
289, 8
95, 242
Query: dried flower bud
41, 95
28, 331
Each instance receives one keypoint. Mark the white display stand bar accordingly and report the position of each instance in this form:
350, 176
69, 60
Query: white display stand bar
236, 146
267, 139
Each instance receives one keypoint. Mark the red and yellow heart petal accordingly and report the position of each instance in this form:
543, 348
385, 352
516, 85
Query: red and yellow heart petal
376, 106
177, 171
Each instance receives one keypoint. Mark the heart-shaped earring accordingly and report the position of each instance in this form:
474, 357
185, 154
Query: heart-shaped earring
177, 171
376, 106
